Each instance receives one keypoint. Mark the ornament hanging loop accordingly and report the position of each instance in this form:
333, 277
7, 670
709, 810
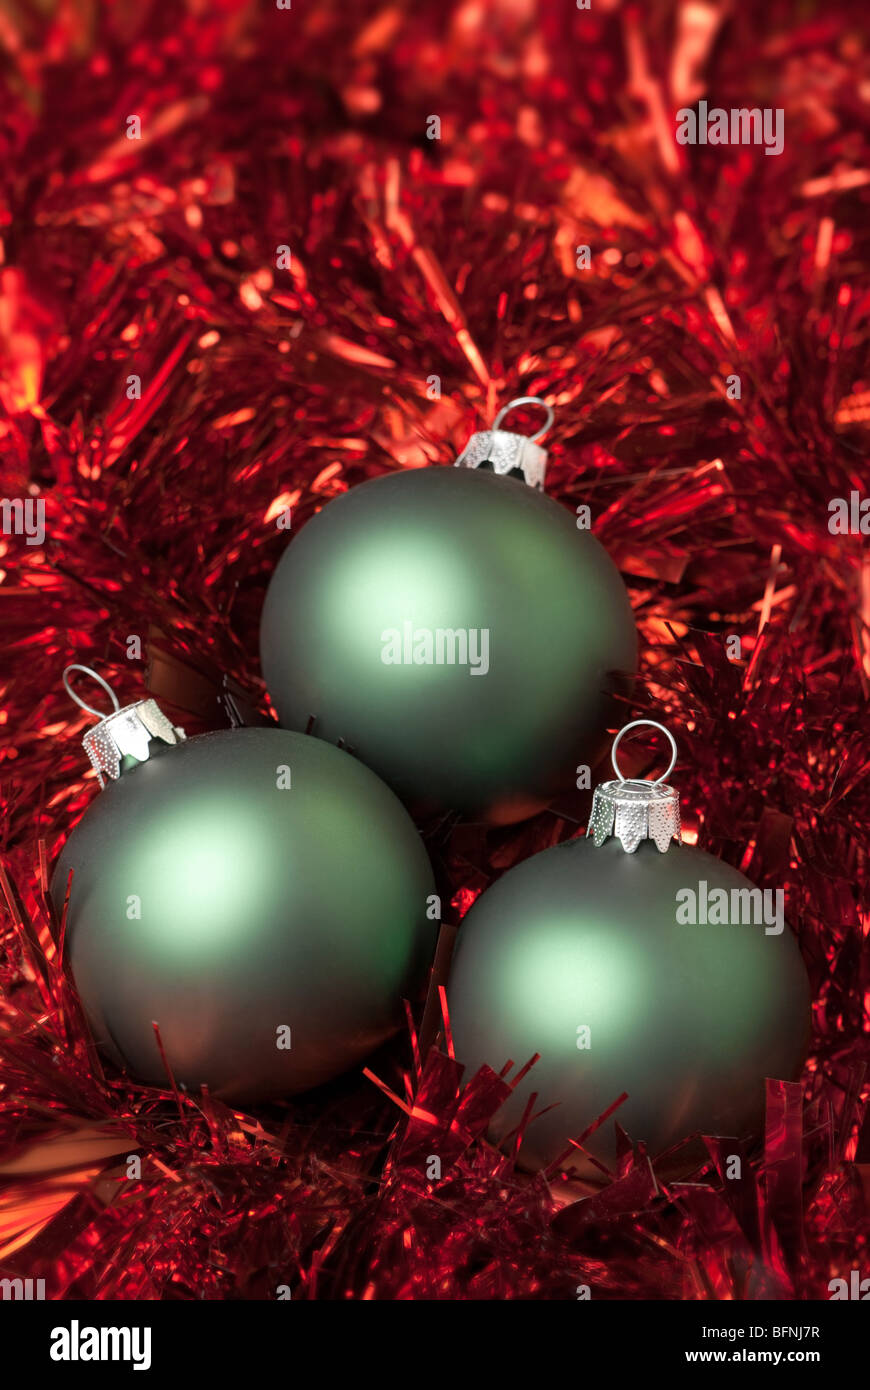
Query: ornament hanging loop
82, 704
631, 810
509, 454
650, 724
123, 737
528, 400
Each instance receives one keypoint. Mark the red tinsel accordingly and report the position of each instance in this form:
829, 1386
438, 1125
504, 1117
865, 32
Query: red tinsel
264, 388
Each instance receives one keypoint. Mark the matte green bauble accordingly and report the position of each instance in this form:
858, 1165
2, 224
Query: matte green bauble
579, 954
258, 894
458, 631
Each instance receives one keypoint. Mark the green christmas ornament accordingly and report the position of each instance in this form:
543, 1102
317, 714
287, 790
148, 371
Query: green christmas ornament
632, 963
456, 628
259, 895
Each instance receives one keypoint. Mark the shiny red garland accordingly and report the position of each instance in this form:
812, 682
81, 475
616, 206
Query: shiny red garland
264, 388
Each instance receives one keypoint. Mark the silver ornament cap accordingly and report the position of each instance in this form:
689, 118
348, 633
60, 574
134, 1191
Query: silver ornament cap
127, 732
507, 452
634, 810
